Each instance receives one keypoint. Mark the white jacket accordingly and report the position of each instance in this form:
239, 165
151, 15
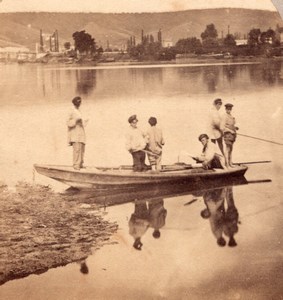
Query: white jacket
76, 132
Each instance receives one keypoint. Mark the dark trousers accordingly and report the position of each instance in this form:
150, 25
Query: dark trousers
139, 161
215, 163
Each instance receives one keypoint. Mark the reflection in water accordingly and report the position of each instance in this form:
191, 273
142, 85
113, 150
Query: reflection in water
109, 197
230, 72
83, 267
223, 218
37, 83
269, 72
153, 77
149, 217
211, 77
86, 81
157, 216
139, 223
151, 214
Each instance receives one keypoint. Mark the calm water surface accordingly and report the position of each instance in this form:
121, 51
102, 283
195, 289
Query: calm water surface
185, 262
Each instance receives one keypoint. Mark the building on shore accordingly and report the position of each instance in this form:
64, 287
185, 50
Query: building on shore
167, 43
279, 33
240, 42
48, 42
9, 54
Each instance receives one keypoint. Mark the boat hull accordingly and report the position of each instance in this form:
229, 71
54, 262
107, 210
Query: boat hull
95, 178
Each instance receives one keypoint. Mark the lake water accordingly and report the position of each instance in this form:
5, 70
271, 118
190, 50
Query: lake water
185, 262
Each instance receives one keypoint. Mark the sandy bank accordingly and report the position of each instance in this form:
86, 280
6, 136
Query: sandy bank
41, 230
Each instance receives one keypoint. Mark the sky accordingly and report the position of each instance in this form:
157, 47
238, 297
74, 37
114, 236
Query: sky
129, 5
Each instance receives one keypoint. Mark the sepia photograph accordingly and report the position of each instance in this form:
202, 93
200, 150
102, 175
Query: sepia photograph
141, 152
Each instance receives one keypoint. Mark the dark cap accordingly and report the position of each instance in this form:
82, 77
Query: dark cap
217, 101
152, 121
228, 105
77, 100
132, 118
156, 234
204, 135
137, 244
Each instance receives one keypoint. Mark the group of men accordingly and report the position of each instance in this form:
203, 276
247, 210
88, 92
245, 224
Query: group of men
140, 143
223, 128
137, 143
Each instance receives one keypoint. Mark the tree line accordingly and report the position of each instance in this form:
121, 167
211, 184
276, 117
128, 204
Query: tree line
258, 43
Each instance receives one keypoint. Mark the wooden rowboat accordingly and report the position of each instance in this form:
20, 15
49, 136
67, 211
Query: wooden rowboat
123, 176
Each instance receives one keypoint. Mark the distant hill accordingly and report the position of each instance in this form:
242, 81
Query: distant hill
23, 28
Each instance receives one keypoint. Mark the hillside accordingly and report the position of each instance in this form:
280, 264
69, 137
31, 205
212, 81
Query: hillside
23, 28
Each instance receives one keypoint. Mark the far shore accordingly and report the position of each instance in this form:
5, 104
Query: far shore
53, 60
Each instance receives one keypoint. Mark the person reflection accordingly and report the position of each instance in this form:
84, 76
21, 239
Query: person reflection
86, 81
157, 216
210, 77
139, 223
83, 267
214, 211
222, 222
231, 217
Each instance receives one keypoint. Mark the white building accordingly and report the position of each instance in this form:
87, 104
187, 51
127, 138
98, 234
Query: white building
241, 42
11, 53
167, 43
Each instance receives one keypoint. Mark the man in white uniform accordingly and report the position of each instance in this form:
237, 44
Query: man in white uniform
76, 133
215, 120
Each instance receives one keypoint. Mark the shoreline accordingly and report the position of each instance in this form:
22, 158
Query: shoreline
42, 229
177, 61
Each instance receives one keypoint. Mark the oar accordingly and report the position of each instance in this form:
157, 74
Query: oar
259, 181
253, 162
190, 202
260, 139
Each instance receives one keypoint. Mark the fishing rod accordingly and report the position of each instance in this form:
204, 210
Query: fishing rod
260, 139
253, 162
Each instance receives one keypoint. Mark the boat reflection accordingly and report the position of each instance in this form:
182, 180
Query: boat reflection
118, 196
222, 214
150, 214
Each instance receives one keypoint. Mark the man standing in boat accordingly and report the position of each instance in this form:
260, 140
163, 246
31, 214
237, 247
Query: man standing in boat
215, 124
135, 143
76, 133
209, 157
155, 144
229, 133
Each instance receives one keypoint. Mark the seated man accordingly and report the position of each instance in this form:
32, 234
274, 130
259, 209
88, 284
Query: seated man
209, 157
